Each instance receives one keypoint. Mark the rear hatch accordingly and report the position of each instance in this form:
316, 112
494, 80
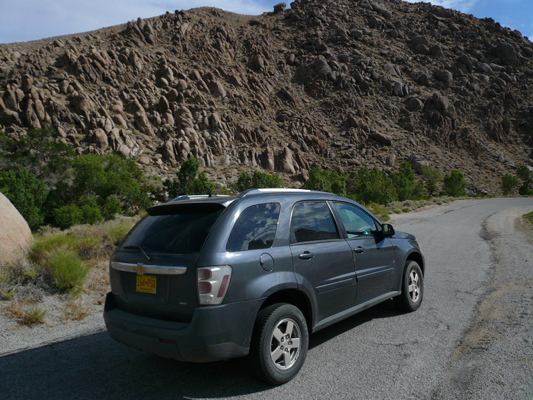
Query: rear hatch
153, 271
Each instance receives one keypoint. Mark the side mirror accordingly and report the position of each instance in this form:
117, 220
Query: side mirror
387, 230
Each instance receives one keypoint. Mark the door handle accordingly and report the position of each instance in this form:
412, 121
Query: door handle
306, 255
358, 250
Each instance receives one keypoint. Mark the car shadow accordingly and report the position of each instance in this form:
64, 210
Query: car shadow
96, 366
386, 309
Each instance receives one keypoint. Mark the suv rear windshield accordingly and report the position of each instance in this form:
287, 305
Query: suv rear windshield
174, 229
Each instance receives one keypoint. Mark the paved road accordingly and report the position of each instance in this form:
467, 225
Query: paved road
378, 354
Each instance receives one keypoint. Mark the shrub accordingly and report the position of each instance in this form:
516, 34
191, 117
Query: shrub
509, 183
116, 233
46, 243
67, 270
189, 181
258, 180
326, 181
24, 317
91, 213
371, 187
454, 183
26, 192
111, 208
244, 182
379, 211
432, 177
526, 175
67, 216
110, 183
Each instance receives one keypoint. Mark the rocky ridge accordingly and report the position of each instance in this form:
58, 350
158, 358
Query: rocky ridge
335, 84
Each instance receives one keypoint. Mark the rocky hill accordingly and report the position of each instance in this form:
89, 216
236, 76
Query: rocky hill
338, 84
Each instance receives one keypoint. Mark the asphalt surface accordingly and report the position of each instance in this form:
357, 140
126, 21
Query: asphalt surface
437, 352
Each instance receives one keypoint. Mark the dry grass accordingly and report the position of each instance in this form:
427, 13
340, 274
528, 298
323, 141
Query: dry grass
528, 217
30, 318
74, 311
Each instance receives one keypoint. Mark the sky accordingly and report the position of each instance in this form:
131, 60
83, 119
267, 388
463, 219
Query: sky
25, 20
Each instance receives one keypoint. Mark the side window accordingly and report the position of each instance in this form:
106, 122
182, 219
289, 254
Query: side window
312, 221
255, 228
356, 222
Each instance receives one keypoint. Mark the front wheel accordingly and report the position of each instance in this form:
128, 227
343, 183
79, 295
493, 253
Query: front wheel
280, 342
412, 288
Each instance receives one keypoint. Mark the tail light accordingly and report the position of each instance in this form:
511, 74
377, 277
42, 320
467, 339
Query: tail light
213, 283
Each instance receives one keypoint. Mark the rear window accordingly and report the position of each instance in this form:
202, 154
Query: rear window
174, 229
255, 228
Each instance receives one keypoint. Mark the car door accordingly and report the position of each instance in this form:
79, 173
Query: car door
322, 260
372, 253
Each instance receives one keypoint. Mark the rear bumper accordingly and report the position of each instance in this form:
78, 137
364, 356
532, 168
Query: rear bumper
214, 333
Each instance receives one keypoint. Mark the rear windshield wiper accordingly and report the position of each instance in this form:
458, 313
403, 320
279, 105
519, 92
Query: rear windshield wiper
140, 248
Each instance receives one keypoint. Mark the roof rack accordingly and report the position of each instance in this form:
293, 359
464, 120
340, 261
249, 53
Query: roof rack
195, 196
250, 192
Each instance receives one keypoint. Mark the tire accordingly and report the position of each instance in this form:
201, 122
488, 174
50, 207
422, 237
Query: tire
412, 288
279, 343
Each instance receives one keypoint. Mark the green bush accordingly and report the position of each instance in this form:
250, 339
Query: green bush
26, 192
46, 243
67, 270
326, 181
509, 183
116, 233
371, 187
454, 183
379, 211
189, 181
404, 181
67, 216
258, 180
432, 177
111, 208
91, 213
526, 175
110, 183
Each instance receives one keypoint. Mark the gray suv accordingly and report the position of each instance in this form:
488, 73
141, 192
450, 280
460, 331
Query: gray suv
210, 278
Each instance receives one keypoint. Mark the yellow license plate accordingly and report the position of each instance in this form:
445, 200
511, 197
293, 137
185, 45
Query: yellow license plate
146, 284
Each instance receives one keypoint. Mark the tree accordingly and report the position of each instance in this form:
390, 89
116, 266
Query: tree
258, 180
26, 192
509, 182
189, 181
371, 187
326, 181
454, 183
526, 175
432, 177
66, 216
91, 183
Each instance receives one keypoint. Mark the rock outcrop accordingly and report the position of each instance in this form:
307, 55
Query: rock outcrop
338, 85
15, 234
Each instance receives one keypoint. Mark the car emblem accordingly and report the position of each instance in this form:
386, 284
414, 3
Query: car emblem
140, 269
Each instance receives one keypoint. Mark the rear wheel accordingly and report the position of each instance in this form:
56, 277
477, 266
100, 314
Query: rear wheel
412, 288
280, 342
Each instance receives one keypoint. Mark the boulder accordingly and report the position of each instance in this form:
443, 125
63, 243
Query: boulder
417, 162
445, 77
507, 53
280, 7
15, 234
381, 138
